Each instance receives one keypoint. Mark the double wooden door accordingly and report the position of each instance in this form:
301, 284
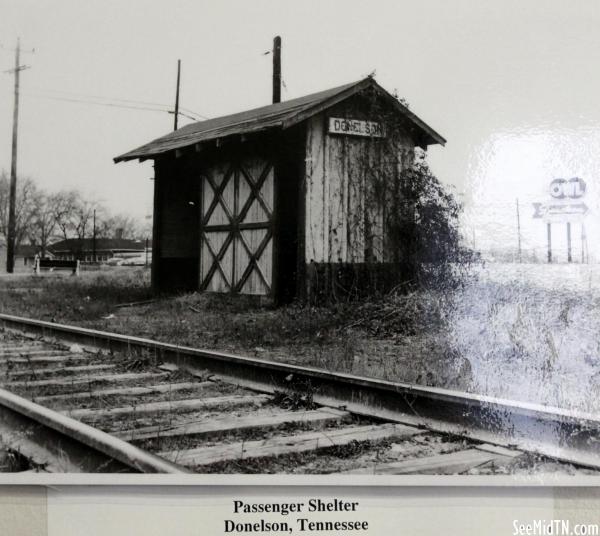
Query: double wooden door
236, 230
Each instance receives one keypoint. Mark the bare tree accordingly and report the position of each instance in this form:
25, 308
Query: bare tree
40, 216
144, 228
123, 225
63, 206
44, 223
83, 214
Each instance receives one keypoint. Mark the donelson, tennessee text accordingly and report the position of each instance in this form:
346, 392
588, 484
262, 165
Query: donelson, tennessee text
303, 525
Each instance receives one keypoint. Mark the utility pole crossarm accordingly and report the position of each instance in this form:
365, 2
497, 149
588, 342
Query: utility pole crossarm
17, 69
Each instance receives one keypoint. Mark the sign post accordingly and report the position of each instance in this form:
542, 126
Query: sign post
569, 257
563, 209
583, 242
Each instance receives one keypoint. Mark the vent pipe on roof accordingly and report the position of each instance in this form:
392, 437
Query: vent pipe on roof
277, 69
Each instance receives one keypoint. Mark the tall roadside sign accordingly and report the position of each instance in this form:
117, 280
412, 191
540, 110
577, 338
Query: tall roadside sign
565, 206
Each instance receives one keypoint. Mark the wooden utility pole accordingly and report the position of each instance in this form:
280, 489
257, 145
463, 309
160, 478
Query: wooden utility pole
277, 69
519, 231
12, 223
94, 237
569, 255
177, 94
583, 244
549, 232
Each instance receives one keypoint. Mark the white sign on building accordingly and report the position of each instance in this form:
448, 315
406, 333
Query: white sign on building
356, 127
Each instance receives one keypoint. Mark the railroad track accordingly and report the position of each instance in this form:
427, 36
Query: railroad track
78, 400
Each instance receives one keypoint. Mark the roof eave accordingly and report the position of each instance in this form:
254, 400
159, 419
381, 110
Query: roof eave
430, 136
126, 157
137, 154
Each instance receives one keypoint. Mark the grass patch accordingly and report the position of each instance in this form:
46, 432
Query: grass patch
296, 394
64, 298
343, 337
507, 336
12, 461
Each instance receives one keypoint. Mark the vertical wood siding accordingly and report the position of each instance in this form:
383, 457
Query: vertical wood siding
316, 193
343, 219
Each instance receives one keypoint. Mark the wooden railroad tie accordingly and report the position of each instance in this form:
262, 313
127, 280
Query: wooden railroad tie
192, 404
226, 425
443, 464
125, 391
280, 445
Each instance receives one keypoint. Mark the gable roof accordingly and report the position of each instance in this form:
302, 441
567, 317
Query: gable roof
87, 244
282, 115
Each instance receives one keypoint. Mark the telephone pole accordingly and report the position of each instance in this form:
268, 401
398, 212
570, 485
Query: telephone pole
177, 94
569, 254
12, 224
94, 237
519, 231
583, 244
276, 69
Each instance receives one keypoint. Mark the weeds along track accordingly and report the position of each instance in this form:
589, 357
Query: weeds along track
78, 400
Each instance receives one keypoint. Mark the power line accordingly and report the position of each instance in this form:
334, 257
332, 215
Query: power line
112, 105
93, 99
114, 99
86, 101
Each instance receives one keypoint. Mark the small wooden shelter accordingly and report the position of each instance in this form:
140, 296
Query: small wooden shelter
262, 202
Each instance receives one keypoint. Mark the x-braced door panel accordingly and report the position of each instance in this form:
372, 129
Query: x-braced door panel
237, 228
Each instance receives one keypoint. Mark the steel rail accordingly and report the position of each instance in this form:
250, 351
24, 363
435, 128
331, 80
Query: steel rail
561, 434
75, 443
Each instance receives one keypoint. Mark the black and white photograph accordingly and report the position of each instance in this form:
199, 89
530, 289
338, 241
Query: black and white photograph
320, 240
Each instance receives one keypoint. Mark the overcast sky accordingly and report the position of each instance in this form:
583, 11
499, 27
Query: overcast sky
512, 85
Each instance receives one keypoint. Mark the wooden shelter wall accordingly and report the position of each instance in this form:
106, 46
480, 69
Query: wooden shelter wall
344, 214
